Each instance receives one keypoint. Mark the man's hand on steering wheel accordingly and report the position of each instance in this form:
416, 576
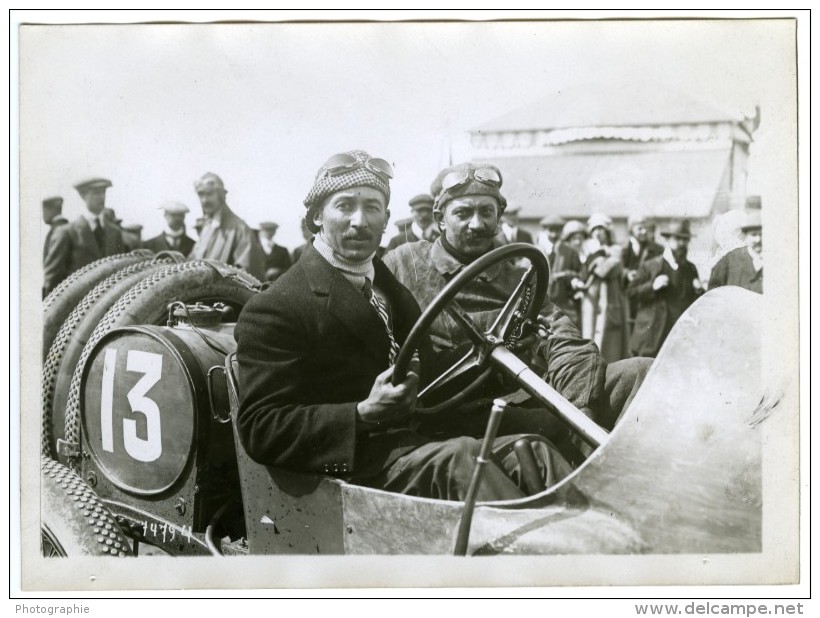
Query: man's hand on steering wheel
529, 347
387, 403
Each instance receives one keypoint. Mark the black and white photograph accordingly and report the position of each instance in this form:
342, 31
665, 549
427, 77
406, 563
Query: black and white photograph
426, 301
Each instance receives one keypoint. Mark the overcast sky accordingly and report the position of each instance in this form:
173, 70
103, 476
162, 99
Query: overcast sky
152, 107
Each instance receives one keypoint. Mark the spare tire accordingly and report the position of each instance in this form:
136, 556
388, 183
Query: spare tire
62, 299
147, 303
61, 359
73, 520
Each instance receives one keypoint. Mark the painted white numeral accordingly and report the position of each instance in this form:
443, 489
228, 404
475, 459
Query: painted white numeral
107, 400
142, 449
149, 448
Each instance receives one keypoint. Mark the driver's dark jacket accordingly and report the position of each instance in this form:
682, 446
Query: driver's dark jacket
309, 349
574, 367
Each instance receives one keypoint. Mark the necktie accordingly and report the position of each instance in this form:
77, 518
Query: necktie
99, 234
381, 309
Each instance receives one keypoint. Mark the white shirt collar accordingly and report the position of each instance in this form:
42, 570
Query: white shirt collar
544, 242
419, 231
670, 258
267, 243
92, 218
636, 246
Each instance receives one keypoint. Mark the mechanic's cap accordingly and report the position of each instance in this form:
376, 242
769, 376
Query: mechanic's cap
468, 179
54, 201
209, 180
92, 183
354, 168
422, 200
174, 208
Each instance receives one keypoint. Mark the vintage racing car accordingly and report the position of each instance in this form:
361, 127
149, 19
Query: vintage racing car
139, 452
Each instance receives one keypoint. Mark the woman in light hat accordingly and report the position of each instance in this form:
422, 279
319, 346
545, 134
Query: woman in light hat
604, 308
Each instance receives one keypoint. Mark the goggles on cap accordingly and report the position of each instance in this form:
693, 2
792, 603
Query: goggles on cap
484, 175
341, 163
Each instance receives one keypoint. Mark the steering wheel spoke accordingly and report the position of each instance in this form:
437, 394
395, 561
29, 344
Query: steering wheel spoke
475, 336
473, 359
511, 307
470, 371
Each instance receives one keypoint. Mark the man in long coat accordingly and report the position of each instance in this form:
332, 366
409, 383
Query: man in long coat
225, 237
663, 289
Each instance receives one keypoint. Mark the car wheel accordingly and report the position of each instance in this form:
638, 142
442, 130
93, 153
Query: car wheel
73, 520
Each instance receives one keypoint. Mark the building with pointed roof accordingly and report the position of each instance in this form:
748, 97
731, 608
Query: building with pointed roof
620, 149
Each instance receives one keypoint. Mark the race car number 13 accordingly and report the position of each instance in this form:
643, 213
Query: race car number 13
149, 447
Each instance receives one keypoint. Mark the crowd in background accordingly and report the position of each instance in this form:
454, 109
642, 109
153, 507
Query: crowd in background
625, 296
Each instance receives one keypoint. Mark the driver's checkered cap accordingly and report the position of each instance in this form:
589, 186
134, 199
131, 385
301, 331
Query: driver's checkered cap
325, 184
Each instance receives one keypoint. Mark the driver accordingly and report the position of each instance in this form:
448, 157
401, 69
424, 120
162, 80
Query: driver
316, 350
468, 208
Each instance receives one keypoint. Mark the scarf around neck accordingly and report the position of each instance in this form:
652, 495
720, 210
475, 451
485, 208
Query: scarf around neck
354, 272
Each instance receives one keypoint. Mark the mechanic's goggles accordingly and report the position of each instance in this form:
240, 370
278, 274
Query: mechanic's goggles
341, 163
484, 175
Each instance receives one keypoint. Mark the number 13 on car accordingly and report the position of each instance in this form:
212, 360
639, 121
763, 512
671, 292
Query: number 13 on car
139, 418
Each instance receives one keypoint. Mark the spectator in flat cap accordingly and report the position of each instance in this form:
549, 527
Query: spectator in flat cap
663, 289
277, 258
173, 237
92, 236
225, 237
57, 244
316, 352
510, 225
743, 266
420, 227
468, 207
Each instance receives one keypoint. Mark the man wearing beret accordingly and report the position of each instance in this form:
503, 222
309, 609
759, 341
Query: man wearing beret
421, 227
743, 266
92, 236
468, 207
277, 258
173, 237
316, 352
56, 245
662, 290
225, 237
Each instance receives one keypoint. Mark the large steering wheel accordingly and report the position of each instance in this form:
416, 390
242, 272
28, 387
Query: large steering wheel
522, 307
489, 350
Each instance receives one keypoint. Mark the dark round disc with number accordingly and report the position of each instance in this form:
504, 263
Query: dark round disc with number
139, 412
